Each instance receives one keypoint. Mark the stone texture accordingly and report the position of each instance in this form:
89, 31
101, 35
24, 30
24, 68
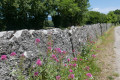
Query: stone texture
23, 41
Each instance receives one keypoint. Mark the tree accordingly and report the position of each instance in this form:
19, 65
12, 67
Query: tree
19, 14
38, 13
9, 13
81, 17
111, 17
117, 12
23, 7
69, 12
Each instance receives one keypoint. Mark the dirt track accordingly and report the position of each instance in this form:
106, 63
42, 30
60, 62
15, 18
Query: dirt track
117, 51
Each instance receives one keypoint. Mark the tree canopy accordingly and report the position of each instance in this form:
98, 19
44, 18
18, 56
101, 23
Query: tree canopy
33, 14
19, 14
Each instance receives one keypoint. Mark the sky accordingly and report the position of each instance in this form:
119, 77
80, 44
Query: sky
104, 6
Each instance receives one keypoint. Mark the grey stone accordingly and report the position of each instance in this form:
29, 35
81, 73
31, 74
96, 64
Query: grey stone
23, 41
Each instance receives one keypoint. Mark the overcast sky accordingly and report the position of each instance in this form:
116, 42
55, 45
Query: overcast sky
104, 6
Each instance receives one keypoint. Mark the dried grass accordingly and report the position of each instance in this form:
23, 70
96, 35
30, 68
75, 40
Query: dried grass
106, 56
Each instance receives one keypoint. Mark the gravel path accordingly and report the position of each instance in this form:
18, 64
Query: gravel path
117, 51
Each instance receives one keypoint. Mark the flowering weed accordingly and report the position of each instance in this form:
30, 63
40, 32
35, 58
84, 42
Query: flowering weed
57, 67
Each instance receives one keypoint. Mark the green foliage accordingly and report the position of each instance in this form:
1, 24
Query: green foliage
96, 17
68, 9
80, 17
117, 12
19, 14
84, 63
38, 13
69, 12
111, 17
50, 68
33, 14
50, 24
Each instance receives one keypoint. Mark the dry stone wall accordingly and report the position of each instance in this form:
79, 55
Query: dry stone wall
23, 41
68, 39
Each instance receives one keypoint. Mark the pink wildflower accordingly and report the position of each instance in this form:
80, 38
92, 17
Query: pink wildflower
57, 60
36, 74
58, 50
49, 48
39, 63
80, 59
89, 74
71, 76
87, 68
65, 64
70, 70
22, 55
58, 77
68, 59
75, 59
3, 57
73, 50
53, 55
93, 56
37, 40
13, 54
49, 43
74, 65
63, 52
61, 56
70, 65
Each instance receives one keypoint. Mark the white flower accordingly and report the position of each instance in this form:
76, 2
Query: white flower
25, 54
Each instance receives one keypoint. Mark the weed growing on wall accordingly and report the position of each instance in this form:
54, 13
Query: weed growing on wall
57, 66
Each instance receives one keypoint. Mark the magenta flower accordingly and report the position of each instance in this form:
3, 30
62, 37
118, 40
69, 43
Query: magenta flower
37, 40
54, 56
80, 59
89, 74
93, 56
36, 74
57, 60
71, 76
75, 59
58, 77
22, 55
63, 52
61, 56
70, 70
3, 57
68, 60
49, 48
70, 65
87, 68
74, 65
13, 54
73, 50
49, 43
39, 63
58, 50
65, 64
